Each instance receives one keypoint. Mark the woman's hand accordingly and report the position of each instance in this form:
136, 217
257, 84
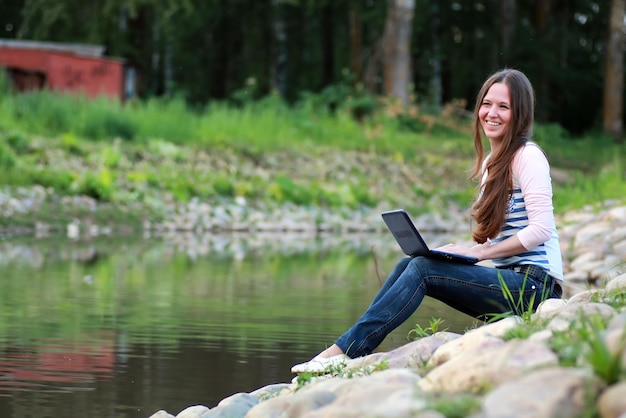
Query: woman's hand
477, 251
488, 250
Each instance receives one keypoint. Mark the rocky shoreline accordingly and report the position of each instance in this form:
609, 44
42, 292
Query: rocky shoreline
593, 239
565, 361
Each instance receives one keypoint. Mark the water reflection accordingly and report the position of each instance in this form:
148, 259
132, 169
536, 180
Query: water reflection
125, 327
38, 367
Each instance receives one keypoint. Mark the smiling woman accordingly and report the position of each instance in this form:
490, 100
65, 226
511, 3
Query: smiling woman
515, 230
495, 113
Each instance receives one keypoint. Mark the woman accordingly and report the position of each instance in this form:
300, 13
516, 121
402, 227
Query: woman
515, 229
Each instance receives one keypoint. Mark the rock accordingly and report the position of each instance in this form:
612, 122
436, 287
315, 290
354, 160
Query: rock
477, 339
582, 259
162, 414
412, 355
385, 394
479, 369
585, 296
616, 284
291, 405
235, 406
576, 276
612, 401
196, 411
561, 318
270, 391
554, 392
548, 307
614, 337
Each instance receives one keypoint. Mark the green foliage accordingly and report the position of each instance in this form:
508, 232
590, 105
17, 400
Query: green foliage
432, 328
72, 144
168, 119
615, 298
166, 150
455, 406
45, 112
97, 185
104, 121
549, 132
609, 183
181, 187
59, 179
518, 306
223, 185
111, 157
584, 343
284, 189
166, 135
246, 94
343, 96
238, 65
18, 141
8, 159
524, 330
5, 86
341, 370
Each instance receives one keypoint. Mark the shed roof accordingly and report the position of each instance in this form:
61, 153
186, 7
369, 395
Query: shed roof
84, 50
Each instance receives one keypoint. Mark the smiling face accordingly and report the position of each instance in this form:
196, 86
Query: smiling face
495, 112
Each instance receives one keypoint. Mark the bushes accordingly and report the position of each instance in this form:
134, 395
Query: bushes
7, 156
136, 150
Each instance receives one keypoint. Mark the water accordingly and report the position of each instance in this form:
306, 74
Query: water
124, 327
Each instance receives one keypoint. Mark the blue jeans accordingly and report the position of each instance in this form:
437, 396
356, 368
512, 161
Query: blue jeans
474, 290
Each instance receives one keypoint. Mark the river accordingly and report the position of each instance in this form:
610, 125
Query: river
125, 326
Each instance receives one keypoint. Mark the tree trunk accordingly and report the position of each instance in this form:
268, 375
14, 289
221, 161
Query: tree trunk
614, 73
436, 81
397, 48
356, 43
278, 69
542, 21
328, 46
508, 28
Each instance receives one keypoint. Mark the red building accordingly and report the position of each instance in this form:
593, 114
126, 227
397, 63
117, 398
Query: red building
66, 68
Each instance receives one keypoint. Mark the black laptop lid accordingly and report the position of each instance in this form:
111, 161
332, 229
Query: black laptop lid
405, 232
411, 242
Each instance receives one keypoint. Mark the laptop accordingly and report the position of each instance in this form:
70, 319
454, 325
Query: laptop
404, 231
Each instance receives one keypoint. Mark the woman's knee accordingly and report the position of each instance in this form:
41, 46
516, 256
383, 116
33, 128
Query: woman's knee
402, 263
420, 263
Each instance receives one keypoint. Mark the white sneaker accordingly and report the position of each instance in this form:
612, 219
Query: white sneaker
320, 364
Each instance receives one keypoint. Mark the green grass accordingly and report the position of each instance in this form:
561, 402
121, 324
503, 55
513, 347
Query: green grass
433, 327
584, 341
140, 147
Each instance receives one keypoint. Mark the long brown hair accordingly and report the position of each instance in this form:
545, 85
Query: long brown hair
489, 209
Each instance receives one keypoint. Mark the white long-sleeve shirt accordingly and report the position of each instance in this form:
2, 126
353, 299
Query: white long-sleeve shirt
530, 214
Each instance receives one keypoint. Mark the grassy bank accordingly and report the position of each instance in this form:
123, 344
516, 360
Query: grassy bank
138, 155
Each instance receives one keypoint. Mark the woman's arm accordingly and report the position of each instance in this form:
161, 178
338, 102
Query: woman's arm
488, 250
532, 171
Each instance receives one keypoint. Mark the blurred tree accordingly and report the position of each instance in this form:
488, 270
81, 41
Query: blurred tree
441, 50
614, 73
509, 20
397, 46
356, 42
10, 18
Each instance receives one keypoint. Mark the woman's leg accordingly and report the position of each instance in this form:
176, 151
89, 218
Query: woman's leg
334, 349
476, 290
